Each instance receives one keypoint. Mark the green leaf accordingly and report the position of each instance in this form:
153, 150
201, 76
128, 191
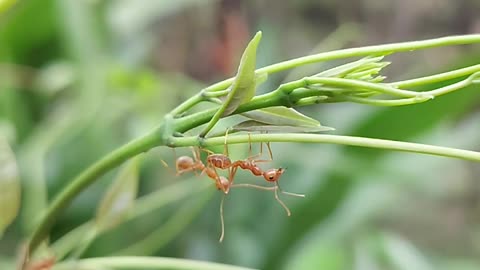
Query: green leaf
404, 255
282, 116
252, 125
9, 186
6, 5
119, 198
360, 65
70, 241
243, 87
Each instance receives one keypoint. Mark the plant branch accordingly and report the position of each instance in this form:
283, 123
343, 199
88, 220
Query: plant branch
146, 263
358, 52
347, 53
333, 139
437, 77
187, 104
295, 94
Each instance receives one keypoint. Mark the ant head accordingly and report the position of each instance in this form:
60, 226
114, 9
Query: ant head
184, 163
223, 184
272, 175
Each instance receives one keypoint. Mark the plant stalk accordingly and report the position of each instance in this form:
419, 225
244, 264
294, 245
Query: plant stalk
333, 139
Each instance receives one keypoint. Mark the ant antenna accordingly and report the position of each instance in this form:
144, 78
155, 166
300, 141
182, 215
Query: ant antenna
165, 164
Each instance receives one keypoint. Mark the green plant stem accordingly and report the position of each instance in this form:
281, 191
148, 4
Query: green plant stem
294, 94
347, 53
214, 120
333, 139
357, 52
380, 102
146, 263
437, 77
187, 104
357, 84
83, 180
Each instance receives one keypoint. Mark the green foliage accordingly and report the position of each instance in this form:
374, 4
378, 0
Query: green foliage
9, 186
119, 198
244, 85
61, 113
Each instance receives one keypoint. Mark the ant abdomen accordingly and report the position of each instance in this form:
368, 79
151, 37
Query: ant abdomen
184, 164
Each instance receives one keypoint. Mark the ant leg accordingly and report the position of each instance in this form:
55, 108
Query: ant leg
254, 157
207, 151
269, 150
196, 153
249, 145
274, 188
196, 158
261, 153
222, 222
280, 201
250, 156
289, 193
231, 174
165, 164
225, 144
254, 186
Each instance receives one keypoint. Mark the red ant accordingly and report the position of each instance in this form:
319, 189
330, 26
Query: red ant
185, 164
222, 161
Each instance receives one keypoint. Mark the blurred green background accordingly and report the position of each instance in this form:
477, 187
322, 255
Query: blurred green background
79, 78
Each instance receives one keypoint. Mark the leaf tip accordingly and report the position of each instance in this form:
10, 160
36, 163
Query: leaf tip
256, 39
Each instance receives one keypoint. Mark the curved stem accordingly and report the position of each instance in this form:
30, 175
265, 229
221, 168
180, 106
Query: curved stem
146, 263
335, 139
381, 102
349, 83
82, 181
361, 51
437, 77
187, 104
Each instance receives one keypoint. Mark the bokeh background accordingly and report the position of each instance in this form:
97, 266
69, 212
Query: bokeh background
79, 78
